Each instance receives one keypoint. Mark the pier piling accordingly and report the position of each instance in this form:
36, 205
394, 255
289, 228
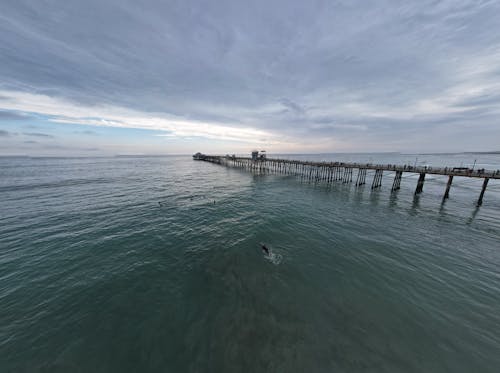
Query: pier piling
377, 179
361, 179
485, 184
420, 183
396, 184
448, 186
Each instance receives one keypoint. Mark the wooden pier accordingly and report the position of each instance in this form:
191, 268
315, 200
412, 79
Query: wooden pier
343, 171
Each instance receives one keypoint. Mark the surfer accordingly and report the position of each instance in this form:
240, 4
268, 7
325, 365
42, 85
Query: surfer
265, 249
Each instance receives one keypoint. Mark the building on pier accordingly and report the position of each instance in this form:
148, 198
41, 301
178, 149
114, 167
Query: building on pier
256, 155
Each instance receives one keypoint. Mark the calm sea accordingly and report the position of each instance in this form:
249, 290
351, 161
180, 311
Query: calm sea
153, 265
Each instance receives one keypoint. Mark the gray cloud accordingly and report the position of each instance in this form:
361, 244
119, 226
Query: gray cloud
292, 107
10, 115
4, 133
86, 132
72, 148
299, 69
37, 134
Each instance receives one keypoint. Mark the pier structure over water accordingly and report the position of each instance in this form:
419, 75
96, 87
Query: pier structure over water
343, 171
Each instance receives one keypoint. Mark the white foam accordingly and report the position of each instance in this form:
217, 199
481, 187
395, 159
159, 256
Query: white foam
274, 258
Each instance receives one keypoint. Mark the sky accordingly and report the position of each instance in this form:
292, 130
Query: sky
107, 77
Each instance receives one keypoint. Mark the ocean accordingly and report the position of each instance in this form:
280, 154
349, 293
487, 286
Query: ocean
153, 264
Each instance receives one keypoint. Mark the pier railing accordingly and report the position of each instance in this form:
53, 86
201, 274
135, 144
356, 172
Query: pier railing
343, 171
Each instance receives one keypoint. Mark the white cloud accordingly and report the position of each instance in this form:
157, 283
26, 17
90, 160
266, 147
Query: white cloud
63, 111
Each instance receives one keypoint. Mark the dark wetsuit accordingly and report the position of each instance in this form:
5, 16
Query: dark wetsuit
264, 248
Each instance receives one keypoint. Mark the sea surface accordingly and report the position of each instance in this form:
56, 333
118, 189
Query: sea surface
153, 264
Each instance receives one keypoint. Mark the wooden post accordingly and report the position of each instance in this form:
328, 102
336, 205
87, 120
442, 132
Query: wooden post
420, 184
485, 184
397, 181
377, 179
361, 179
448, 186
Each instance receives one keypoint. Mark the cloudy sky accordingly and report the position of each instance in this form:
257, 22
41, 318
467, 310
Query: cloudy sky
155, 77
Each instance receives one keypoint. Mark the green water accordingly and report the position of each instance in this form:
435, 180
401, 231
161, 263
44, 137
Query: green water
97, 276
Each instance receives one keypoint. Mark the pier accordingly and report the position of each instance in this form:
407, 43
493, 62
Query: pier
343, 171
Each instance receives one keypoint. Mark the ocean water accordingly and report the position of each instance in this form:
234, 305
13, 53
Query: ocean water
153, 264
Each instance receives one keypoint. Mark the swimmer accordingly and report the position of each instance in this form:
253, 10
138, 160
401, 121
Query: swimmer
265, 249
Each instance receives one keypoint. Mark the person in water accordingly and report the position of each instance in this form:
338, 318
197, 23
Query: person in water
265, 249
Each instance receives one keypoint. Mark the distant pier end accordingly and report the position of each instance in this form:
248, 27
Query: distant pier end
343, 171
